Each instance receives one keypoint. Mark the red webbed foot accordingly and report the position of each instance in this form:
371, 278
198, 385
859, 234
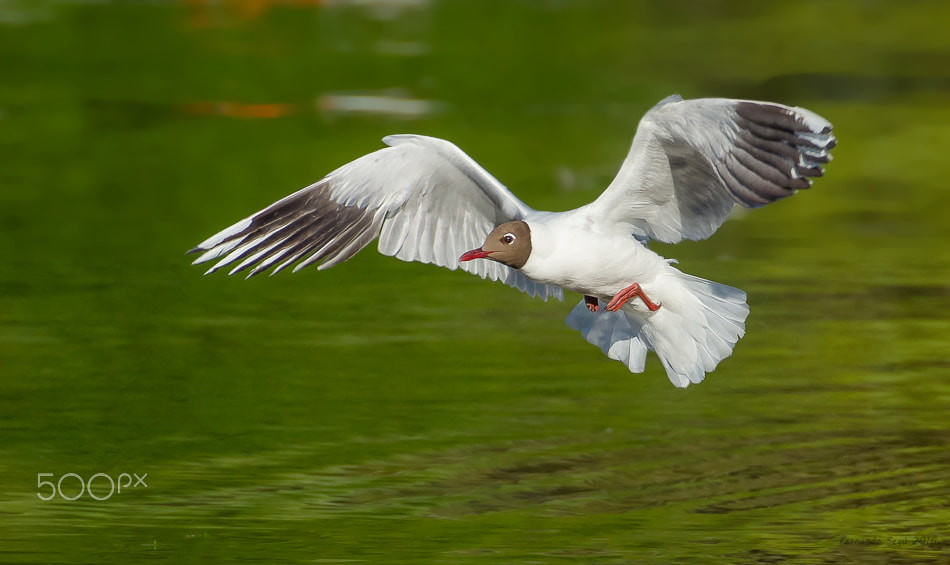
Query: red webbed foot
629, 293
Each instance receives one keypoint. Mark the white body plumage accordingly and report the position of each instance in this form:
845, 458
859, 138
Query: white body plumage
696, 326
571, 250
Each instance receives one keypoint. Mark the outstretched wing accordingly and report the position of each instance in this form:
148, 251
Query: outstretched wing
692, 160
423, 197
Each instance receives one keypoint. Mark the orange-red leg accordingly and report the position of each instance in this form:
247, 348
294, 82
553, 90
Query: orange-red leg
591, 303
628, 293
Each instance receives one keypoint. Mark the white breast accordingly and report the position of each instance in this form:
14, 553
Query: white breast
571, 251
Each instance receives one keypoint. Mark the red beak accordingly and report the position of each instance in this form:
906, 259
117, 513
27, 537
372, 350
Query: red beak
474, 254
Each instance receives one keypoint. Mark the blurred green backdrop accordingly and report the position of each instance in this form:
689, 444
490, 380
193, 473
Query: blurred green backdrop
355, 414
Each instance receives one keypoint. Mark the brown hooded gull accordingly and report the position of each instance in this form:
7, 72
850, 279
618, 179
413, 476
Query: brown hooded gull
691, 161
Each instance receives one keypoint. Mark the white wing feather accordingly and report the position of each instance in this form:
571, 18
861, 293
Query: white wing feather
423, 197
692, 160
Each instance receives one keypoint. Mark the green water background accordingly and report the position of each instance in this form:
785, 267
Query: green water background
390, 412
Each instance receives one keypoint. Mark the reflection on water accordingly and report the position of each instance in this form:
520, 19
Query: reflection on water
112, 113
382, 411
351, 104
209, 12
345, 32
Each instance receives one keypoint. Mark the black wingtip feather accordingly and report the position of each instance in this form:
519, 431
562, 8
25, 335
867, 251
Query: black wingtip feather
771, 116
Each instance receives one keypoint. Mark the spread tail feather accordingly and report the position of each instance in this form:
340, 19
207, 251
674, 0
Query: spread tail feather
696, 327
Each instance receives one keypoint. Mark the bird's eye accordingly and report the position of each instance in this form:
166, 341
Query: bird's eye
508, 238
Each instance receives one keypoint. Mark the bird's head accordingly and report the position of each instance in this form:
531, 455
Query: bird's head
509, 244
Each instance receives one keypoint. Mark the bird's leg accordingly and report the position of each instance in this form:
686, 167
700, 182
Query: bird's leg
591, 303
626, 294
